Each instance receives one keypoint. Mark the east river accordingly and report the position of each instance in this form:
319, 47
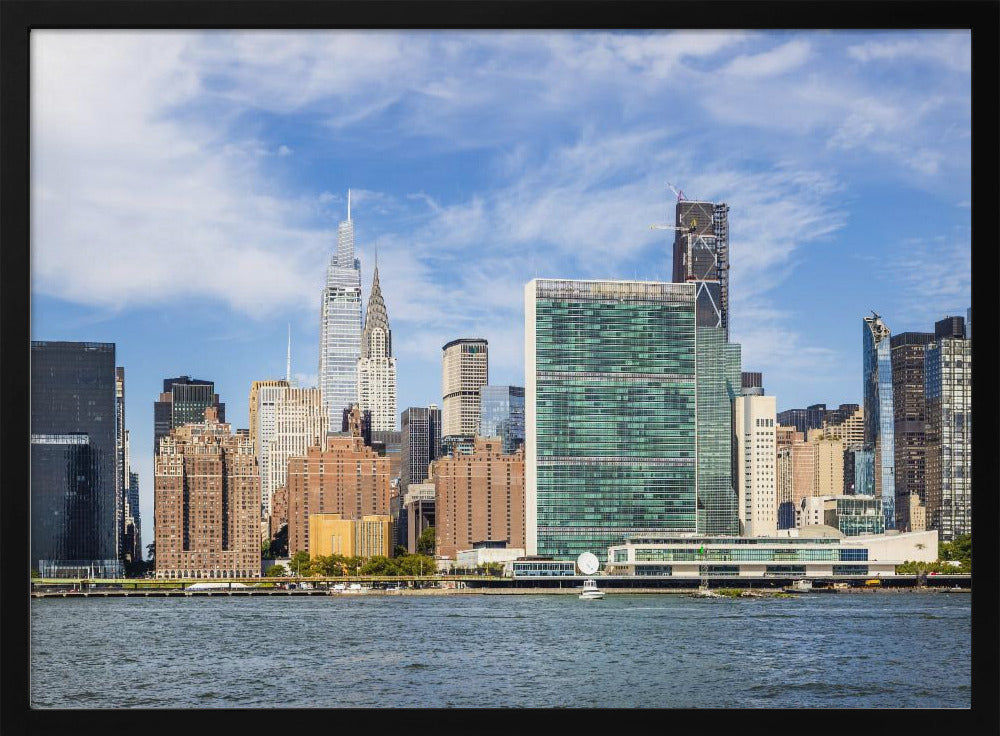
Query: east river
900, 650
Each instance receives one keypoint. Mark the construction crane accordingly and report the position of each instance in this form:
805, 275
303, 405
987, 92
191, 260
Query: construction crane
686, 229
678, 194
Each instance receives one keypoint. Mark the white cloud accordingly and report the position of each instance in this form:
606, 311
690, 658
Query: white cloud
950, 49
778, 60
136, 207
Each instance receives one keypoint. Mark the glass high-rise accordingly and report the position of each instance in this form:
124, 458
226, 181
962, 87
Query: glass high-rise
501, 414
948, 388
340, 325
610, 407
879, 423
718, 385
420, 443
73, 459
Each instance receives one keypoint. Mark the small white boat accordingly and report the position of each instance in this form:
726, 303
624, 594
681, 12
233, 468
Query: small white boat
590, 591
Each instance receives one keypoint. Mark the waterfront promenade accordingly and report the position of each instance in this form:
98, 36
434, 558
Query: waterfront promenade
471, 585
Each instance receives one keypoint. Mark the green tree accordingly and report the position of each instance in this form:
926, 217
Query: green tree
300, 562
379, 565
400, 551
425, 543
416, 565
35, 573
265, 549
490, 568
276, 571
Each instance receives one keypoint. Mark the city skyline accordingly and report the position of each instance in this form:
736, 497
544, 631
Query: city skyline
209, 194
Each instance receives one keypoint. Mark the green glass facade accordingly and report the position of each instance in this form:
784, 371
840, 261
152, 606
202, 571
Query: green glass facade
718, 372
611, 412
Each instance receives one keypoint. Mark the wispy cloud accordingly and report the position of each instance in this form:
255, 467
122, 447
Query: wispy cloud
952, 50
778, 60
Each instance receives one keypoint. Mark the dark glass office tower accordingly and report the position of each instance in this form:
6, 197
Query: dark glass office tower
420, 443
910, 421
73, 449
183, 401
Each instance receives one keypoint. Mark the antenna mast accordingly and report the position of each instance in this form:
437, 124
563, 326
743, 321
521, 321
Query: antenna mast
288, 361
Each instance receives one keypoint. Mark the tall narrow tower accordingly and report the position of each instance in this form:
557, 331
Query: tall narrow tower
377, 367
340, 325
701, 258
464, 370
879, 426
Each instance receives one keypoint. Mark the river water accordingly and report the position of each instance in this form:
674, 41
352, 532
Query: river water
898, 650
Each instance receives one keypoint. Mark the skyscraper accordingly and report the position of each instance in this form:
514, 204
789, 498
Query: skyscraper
183, 401
255, 387
701, 255
126, 482
207, 501
610, 396
718, 381
74, 530
419, 445
376, 366
121, 467
501, 414
948, 391
876, 380
464, 370
340, 325
289, 421
701, 258
909, 421
755, 472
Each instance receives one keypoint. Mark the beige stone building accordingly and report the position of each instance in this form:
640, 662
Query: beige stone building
331, 534
206, 503
478, 498
807, 469
348, 478
291, 420
828, 466
464, 370
754, 429
850, 430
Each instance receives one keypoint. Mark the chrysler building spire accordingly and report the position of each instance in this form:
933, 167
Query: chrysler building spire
376, 366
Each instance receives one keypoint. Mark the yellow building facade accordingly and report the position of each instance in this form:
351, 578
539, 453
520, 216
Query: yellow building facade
369, 536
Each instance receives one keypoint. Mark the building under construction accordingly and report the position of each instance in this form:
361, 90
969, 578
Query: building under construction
701, 254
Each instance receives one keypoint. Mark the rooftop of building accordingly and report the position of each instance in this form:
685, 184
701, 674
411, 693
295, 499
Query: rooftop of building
466, 341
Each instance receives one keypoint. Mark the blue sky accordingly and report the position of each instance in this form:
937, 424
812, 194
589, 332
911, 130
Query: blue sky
186, 189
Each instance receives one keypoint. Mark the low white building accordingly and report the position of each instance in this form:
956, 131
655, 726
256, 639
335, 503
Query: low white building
817, 551
470, 559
